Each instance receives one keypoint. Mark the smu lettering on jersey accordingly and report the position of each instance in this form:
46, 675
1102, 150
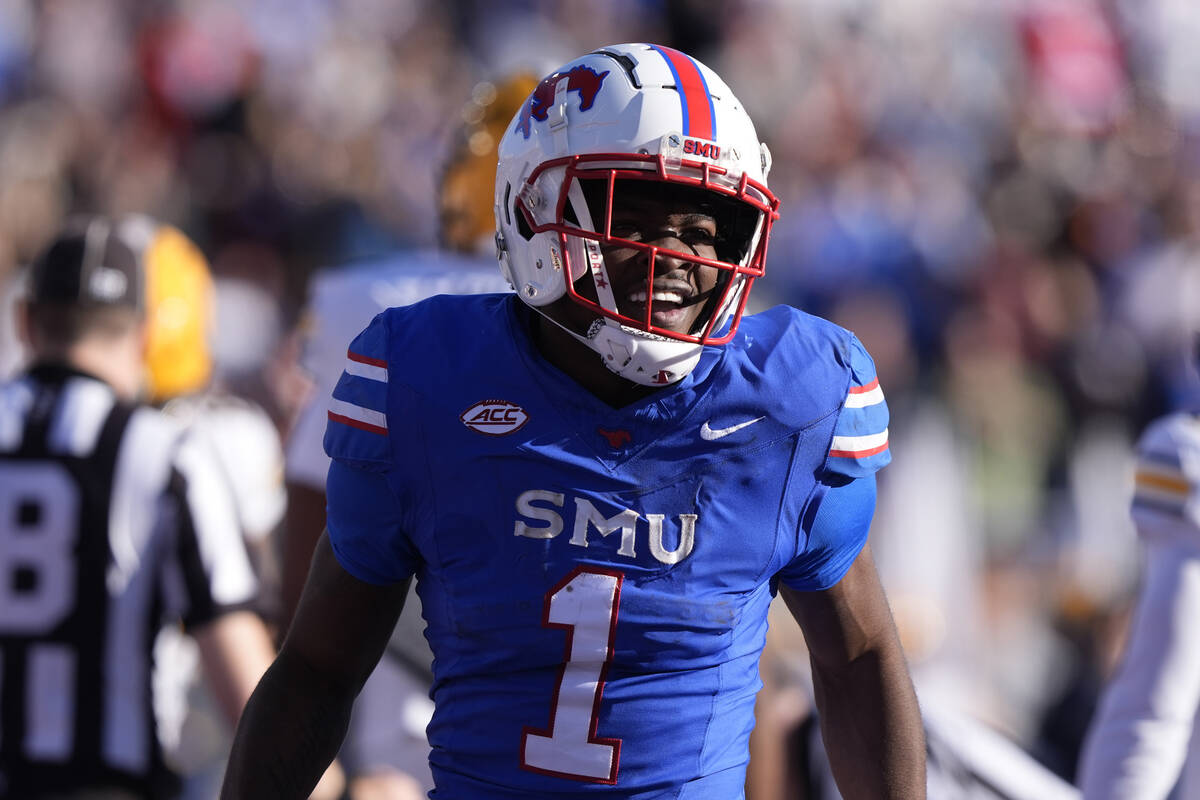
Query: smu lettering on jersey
596, 580
1165, 503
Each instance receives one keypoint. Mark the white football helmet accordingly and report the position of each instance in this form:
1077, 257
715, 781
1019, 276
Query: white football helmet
630, 112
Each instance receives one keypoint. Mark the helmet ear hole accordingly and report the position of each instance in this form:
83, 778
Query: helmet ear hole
510, 211
523, 226
570, 215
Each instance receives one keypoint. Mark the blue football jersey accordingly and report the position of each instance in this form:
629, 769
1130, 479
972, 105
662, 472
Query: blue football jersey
595, 581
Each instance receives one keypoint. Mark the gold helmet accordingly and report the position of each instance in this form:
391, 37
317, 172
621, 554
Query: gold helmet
466, 220
179, 308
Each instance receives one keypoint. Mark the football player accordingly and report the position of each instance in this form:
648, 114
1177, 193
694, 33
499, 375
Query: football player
113, 523
601, 479
1142, 741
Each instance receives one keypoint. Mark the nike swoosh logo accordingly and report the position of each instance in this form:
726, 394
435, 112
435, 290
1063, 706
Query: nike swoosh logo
712, 434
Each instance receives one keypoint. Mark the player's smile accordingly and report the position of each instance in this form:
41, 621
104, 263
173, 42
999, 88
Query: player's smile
675, 303
680, 287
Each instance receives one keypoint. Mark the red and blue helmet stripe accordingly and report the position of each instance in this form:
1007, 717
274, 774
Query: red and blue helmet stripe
699, 116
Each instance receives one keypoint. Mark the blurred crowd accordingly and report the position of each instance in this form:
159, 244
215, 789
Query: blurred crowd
1000, 197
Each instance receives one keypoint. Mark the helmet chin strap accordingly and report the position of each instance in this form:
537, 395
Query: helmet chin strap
612, 353
634, 355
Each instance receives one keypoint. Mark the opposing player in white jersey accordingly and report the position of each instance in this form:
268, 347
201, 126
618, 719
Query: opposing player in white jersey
386, 752
113, 523
1142, 742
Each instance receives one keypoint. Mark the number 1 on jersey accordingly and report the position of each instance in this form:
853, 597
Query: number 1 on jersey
585, 604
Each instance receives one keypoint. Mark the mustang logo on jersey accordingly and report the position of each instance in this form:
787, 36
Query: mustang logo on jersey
616, 439
494, 417
588, 517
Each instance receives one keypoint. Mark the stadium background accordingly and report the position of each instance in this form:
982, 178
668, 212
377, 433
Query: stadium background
1000, 197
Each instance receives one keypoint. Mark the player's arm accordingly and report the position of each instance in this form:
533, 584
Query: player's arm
867, 707
305, 468
1139, 738
235, 650
303, 523
299, 714
297, 717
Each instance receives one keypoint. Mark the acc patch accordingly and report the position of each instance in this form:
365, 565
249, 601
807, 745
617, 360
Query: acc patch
494, 417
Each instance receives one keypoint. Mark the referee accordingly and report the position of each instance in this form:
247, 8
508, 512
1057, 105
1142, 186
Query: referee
113, 524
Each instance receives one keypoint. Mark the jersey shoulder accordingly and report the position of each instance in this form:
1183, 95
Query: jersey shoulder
817, 368
783, 345
1167, 475
434, 343
414, 350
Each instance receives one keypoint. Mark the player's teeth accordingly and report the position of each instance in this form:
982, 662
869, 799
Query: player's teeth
660, 297
668, 297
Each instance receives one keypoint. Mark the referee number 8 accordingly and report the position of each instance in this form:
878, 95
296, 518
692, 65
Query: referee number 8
39, 523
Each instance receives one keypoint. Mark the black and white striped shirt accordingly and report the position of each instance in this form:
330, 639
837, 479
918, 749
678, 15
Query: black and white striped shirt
113, 523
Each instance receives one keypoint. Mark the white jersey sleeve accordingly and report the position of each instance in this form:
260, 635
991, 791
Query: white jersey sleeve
214, 520
248, 451
1166, 500
171, 499
1143, 729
